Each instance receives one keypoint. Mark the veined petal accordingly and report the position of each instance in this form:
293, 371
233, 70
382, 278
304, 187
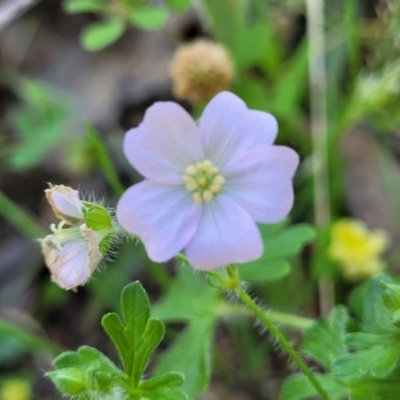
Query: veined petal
260, 181
65, 203
228, 128
163, 216
74, 262
226, 235
164, 144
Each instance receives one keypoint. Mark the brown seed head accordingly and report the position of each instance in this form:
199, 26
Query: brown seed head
200, 70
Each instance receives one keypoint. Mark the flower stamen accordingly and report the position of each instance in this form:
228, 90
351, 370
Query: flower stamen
203, 180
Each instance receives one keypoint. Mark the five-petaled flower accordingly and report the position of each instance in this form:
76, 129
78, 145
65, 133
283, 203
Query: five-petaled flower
207, 185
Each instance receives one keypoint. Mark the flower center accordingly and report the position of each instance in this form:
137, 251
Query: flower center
203, 180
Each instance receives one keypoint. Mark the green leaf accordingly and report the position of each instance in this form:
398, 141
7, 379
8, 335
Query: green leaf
150, 19
264, 270
178, 5
38, 122
191, 300
99, 35
190, 355
298, 387
376, 355
278, 243
80, 6
324, 341
116, 331
391, 296
70, 381
137, 337
292, 83
288, 242
377, 318
252, 45
169, 379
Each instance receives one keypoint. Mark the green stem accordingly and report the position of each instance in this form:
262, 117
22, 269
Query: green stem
19, 218
159, 274
289, 320
105, 162
267, 322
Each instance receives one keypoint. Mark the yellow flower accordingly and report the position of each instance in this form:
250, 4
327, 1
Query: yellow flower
357, 249
200, 70
15, 389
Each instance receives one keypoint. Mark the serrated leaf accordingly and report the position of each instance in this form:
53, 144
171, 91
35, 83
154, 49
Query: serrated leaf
69, 359
80, 6
377, 318
99, 35
376, 359
169, 379
150, 19
178, 5
298, 387
324, 341
137, 336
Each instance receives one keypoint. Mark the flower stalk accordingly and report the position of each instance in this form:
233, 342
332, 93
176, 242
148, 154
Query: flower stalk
232, 282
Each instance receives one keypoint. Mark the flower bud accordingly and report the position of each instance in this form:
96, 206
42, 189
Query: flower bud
97, 217
200, 70
70, 381
65, 203
72, 255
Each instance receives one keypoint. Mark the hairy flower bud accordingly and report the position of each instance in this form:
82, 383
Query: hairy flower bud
65, 203
200, 70
80, 241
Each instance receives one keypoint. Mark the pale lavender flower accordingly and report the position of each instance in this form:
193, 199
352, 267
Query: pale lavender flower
206, 185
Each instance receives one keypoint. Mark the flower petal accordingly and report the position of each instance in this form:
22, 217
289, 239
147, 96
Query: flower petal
226, 235
164, 144
65, 203
73, 264
261, 182
228, 127
163, 216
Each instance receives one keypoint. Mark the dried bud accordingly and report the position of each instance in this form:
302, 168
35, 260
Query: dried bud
200, 70
72, 255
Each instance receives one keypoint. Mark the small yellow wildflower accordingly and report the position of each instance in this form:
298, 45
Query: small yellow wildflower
200, 70
357, 249
15, 389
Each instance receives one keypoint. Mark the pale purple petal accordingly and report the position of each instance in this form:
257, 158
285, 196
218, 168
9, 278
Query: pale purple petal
163, 216
65, 203
164, 144
226, 234
228, 127
261, 182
